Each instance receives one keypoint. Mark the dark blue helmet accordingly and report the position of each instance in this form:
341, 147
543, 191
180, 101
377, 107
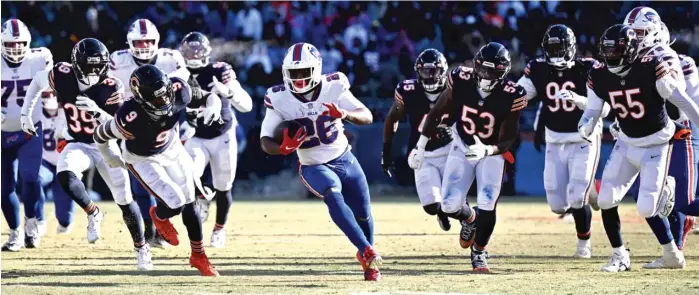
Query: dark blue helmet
90, 59
431, 68
491, 65
195, 49
559, 46
153, 90
618, 48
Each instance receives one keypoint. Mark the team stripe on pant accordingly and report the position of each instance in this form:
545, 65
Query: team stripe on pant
690, 166
143, 183
308, 185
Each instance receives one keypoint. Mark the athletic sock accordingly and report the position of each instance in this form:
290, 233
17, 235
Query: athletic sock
75, 189
612, 225
661, 229
583, 221
132, 219
485, 224
223, 206
192, 221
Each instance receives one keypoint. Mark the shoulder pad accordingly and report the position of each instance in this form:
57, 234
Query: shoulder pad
223, 71
118, 58
460, 73
337, 79
43, 54
403, 88
117, 89
272, 94
689, 67
533, 64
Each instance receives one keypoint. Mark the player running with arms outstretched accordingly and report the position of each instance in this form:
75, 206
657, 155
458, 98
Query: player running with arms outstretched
486, 108
319, 103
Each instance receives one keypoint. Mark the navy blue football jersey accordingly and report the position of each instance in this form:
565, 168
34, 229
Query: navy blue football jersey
413, 98
635, 101
146, 136
109, 96
204, 76
557, 115
482, 117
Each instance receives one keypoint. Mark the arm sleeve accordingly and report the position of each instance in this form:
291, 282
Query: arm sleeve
107, 131
48, 57
270, 122
593, 110
241, 100
681, 100
39, 83
528, 85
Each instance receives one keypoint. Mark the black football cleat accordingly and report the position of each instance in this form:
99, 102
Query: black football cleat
444, 222
479, 260
468, 234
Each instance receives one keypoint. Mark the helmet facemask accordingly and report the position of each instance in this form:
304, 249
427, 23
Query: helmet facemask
558, 53
15, 51
195, 54
488, 76
431, 76
618, 58
144, 49
300, 80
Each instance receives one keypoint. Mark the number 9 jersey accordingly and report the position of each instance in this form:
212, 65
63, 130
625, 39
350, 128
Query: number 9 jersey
325, 140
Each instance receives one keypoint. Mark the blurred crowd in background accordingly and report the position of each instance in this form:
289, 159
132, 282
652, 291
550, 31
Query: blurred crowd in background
374, 43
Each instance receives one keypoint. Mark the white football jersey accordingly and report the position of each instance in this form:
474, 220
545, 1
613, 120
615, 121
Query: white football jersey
691, 76
122, 65
50, 129
15, 82
669, 56
325, 140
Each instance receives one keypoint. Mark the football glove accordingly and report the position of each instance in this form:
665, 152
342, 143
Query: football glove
334, 111
211, 114
187, 131
567, 95
417, 155
27, 125
478, 150
386, 159
220, 89
614, 129
89, 106
61, 145
290, 144
585, 128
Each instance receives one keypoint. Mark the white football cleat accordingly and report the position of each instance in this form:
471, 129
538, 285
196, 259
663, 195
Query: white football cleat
618, 263
63, 229
670, 259
583, 253
41, 225
144, 256
14, 242
94, 226
218, 238
32, 236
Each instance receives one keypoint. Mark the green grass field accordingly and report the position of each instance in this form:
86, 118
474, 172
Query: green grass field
294, 248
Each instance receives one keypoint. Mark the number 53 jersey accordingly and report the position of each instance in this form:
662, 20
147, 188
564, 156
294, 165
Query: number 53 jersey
325, 138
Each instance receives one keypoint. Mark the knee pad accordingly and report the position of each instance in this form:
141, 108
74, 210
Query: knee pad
432, 209
645, 210
559, 210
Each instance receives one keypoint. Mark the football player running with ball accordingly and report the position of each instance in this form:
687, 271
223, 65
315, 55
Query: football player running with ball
558, 79
637, 89
486, 109
216, 143
415, 97
318, 103
148, 126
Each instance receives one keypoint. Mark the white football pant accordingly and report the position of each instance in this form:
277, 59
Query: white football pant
569, 173
167, 176
459, 174
625, 163
221, 152
428, 179
77, 157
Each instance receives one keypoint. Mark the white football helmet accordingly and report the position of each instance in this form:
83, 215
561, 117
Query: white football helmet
645, 21
664, 37
15, 40
143, 30
302, 67
50, 101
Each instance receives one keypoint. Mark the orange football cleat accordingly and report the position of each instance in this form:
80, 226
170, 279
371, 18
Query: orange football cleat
165, 228
201, 262
688, 225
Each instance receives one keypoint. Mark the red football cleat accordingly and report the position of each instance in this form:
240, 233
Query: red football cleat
370, 262
165, 228
201, 262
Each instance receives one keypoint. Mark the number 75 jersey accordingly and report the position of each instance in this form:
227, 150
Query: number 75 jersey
325, 139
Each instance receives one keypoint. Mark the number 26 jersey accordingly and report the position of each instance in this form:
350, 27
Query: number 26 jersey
325, 139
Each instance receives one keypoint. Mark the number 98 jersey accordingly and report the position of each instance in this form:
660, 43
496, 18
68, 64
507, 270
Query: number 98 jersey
325, 139
475, 115
109, 95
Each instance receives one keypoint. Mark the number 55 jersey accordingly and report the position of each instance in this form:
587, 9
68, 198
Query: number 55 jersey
325, 140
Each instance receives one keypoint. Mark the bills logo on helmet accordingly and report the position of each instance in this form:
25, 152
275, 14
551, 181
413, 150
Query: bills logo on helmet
652, 16
314, 52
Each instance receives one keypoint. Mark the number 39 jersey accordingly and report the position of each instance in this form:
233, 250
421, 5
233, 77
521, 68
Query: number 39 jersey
475, 115
635, 100
325, 140
108, 95
413, 98
559, 116
15, 82
146, 136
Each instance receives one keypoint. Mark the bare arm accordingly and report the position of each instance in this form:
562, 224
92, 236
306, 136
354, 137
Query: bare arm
509, 129
356, 112
441, 107
395, 114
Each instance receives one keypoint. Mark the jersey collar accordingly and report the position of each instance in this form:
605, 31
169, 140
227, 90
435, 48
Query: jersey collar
315, 96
